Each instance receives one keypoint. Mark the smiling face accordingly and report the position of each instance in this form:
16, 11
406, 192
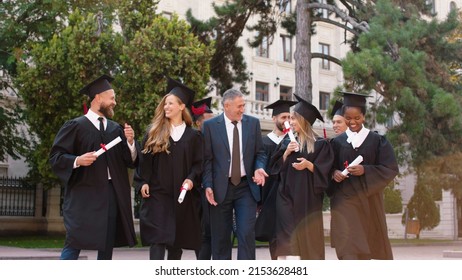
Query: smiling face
173, 107
354, 118
280, 119
106, 100
294, 123
339, 124
234, 108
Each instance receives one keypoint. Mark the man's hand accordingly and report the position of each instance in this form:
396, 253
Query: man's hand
86, 159
210, 197
145, 191
259, 176
356, 170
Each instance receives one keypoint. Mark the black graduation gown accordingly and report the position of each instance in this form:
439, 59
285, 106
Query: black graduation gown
85, 206
299, 224
266, 222
162, 219
358, 224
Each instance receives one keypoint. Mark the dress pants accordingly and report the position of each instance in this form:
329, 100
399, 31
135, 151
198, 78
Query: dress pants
157, 252
238, 198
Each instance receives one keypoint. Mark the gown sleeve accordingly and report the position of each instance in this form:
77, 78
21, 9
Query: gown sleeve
377, 176
144, 169
62, 155
276, 162
322, 166
197, 159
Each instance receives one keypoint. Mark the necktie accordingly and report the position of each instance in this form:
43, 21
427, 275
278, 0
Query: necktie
101, 125
235, 157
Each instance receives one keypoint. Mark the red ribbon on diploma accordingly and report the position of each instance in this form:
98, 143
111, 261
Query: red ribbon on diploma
103, 146
286, 130
345, 164
183, 189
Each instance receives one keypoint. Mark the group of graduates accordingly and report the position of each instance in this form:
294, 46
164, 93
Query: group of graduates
220, 161
303, 172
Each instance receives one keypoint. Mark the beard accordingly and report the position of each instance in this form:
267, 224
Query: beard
280, 126
107, 111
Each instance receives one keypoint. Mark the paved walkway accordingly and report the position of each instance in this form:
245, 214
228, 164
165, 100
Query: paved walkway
446, 251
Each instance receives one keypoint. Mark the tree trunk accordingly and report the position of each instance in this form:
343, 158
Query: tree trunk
302, 55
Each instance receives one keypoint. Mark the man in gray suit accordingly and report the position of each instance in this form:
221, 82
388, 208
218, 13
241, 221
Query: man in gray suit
233, 153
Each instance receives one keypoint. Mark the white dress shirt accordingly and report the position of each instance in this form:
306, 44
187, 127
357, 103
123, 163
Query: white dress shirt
357, 138
177, 131
229, 132
93, 118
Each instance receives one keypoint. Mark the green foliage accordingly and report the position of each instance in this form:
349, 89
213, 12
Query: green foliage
55, 70
405, 58
49, 81
392, 200
423, 207
13, 140
136, 14
165, 47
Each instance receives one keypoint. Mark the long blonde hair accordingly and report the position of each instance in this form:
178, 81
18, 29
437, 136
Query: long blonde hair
306, 135
159, 132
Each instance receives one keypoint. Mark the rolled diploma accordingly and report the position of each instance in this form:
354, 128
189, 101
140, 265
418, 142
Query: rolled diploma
357, 161
291, 134
184, 189
108, 146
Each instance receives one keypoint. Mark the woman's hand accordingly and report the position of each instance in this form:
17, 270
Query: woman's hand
145, 191
190, 184
338, 176
302, 164
292, 147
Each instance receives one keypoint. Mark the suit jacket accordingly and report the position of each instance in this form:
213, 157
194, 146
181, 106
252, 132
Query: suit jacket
217, 154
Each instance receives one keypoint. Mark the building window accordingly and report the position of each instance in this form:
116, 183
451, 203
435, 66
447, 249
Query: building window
286, 48
261, 91
431, 3
323, 13
263, 49
285, 6
390, 122
167, 15
324, 49
285, 93
324, 99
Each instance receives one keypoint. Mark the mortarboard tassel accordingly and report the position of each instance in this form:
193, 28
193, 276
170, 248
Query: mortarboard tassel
324, 131
85, 108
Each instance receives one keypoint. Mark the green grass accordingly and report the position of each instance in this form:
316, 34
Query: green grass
57, 241
39, 241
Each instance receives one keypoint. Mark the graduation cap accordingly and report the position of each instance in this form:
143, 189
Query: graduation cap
202, 106
308, 111
185, 94
337, 109
354, 99
280, 106
101, 84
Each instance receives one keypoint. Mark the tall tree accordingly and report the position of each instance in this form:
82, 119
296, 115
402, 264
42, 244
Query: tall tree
163, 48
138, 58
406, 59
49, 81
227, 66
23, 24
